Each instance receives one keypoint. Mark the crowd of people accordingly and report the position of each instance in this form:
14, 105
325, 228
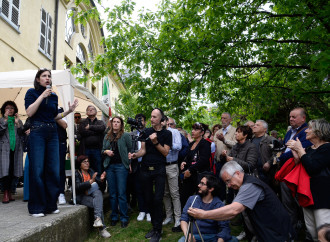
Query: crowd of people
208, 177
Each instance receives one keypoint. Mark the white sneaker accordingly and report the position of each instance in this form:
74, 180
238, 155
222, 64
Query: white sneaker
141, 216
241, 236
148, 217
167, 221
55, 211
98, 223
177, 223
38, 215
104, 233
61, 199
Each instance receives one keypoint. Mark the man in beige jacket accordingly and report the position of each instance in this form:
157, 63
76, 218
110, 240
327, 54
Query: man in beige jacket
224, 139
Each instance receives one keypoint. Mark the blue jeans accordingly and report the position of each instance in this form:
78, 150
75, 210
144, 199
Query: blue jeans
95, 158
208, 238
117, 180
26, 179
44, 168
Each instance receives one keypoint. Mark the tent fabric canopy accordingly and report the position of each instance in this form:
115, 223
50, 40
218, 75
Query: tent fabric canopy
16, 83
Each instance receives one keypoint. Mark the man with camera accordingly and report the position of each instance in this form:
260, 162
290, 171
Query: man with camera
154, 149
270, 220
207, 199
139, 124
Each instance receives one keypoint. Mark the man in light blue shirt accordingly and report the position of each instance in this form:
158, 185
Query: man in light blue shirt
171, 194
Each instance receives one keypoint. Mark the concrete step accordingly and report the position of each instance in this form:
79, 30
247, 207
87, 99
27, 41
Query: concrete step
73, 223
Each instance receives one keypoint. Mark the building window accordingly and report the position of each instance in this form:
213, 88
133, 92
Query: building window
81, 54
90, 50
70, 28
45, 33
9, 11
93, 90
83, 30
81, 59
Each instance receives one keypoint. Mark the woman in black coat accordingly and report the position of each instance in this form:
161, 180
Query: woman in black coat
88, 192
196, 161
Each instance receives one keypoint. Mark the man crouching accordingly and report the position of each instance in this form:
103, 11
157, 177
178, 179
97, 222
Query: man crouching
207, 199
269, 219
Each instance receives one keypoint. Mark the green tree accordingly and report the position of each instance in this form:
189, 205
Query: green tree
257, 59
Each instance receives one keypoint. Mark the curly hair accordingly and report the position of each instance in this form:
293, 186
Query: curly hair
8, 103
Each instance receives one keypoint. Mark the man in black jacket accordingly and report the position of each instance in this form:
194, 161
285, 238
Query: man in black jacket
270, 220
91, 131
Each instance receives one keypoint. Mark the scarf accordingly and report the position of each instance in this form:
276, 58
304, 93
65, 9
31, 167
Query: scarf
11, 131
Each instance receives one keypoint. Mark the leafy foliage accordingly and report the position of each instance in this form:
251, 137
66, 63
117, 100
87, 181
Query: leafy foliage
257, 59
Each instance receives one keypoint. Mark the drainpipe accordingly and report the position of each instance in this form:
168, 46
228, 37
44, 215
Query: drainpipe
55, 34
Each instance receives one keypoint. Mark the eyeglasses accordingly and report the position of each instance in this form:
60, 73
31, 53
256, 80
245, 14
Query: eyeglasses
202, 184
170, 124
85, 161
77, 117
229, 180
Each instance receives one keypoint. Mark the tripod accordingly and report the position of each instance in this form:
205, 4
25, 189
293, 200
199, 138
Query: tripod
191, 223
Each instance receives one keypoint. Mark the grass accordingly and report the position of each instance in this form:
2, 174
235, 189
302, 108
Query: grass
134, 232
137, 230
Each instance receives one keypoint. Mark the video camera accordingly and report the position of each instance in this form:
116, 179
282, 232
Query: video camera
135, 124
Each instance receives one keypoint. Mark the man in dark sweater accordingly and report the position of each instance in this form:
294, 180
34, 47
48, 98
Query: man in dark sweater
270, 220
91, 131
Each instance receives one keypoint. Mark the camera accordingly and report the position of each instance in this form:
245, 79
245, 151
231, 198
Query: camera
277, 146
135, 124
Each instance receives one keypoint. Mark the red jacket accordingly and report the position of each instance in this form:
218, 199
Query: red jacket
297, 179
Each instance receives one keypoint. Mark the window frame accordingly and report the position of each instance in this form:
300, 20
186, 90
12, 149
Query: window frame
8, 19
48, 24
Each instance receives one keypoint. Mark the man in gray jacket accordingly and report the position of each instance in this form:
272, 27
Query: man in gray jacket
263, 143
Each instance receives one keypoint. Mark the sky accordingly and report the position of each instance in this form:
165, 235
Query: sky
147, 4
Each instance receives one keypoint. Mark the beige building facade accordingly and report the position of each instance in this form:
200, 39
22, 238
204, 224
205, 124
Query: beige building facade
42, 34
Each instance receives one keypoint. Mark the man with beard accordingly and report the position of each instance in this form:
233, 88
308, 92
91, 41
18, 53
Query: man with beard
207, 199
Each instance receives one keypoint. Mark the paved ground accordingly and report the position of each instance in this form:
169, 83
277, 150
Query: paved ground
16, 224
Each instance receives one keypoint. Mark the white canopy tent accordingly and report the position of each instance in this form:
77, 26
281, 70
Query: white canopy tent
13, 86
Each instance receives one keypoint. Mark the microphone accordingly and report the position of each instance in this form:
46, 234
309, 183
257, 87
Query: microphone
48, 87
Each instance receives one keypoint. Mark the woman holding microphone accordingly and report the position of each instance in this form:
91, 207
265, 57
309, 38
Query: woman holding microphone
41, 106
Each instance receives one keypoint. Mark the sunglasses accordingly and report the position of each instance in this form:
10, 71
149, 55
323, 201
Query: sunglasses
77, 117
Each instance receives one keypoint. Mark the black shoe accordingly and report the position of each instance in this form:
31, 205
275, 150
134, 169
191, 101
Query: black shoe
177, 229
124, 224
113, 222
156, 237
150, 234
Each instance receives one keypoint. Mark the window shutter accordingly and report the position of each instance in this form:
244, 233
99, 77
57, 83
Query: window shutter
49, 35
5, 8
15, 12
43, 29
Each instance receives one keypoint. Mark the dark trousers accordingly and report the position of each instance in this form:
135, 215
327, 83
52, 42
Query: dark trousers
44, 168
63, 148
187, 188
154, 200
8, 180
139, 191
95, 158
